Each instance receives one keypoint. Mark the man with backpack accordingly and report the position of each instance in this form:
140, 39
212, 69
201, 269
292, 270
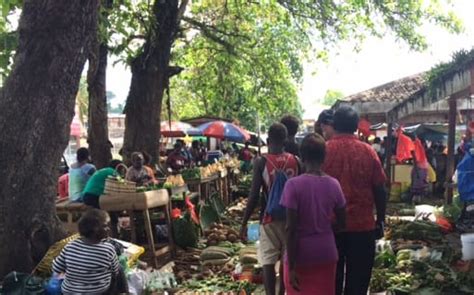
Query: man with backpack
271, 172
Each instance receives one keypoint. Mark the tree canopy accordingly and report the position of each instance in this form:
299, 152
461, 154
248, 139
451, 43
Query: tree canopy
331, 97
244, 57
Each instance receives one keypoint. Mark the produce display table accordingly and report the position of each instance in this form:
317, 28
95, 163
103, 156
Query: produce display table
203, 185
143, 202
72, 211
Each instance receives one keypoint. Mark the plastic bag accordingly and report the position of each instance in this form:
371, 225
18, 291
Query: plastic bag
137, 280
465, 171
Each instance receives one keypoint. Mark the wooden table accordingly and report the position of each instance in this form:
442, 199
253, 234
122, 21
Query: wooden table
203, 185
143, 202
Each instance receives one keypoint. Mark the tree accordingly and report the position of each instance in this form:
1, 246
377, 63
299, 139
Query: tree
332, 96
37, 103
98, 132
238, 67
150, 76
225, 24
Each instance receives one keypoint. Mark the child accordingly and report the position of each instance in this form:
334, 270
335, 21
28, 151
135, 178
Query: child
90, 264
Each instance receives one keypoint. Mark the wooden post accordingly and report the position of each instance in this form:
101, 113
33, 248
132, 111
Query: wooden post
451, 143
388, 153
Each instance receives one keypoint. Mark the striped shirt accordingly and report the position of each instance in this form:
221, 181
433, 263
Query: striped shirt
88, 267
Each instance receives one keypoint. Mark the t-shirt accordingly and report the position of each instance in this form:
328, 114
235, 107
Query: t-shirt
88, 267
314, 198
78, 177
273, 162
63, 186
246, 155
176, 161
96, 184
137, 175
357, 167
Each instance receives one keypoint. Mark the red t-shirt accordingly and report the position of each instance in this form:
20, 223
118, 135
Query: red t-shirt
357, 167
246, 155
63, 186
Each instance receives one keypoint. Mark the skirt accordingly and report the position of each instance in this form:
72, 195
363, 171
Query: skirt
318, 279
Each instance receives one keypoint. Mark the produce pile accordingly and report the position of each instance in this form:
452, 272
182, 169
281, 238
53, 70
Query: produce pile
218, 285
418, 259
191, 173
174, 181
217, 265
236, 211
219, 233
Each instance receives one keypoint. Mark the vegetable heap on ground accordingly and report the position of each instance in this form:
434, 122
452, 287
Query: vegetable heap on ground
419, 258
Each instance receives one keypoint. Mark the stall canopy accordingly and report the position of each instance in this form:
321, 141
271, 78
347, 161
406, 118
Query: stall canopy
178, 129
430, 132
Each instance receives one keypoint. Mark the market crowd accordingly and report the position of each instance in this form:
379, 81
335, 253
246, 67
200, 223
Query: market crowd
317, 207
316, 211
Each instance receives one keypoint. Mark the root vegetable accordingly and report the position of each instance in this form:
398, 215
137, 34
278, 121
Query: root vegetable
222, 238
212, 242
232, 238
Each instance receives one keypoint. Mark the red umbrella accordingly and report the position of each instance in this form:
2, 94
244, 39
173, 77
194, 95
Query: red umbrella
177, 129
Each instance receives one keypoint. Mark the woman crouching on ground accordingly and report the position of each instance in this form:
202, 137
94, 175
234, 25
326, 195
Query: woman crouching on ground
312, 200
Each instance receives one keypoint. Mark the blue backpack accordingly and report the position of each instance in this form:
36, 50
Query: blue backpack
273, 208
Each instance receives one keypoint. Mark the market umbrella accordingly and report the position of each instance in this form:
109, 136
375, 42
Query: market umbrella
177, 129
224, 130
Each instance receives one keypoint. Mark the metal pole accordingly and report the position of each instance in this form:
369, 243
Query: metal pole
451, 143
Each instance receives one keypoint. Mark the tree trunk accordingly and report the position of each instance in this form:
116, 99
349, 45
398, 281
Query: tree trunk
37, 107
149, 80
98, 132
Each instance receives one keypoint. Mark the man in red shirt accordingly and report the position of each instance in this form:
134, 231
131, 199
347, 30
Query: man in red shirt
357, 167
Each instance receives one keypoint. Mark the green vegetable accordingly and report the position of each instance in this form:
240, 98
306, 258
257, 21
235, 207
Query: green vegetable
185, 232
404, 254
385, 259
192, 173
417, 230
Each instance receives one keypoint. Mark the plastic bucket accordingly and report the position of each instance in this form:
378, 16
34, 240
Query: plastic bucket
467, 246
253, 231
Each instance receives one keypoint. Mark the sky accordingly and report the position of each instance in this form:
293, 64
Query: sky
379, 61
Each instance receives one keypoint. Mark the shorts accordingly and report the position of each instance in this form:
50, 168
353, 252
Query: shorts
272, 242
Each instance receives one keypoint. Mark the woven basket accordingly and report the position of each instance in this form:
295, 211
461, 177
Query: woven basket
113, 186
43, 269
